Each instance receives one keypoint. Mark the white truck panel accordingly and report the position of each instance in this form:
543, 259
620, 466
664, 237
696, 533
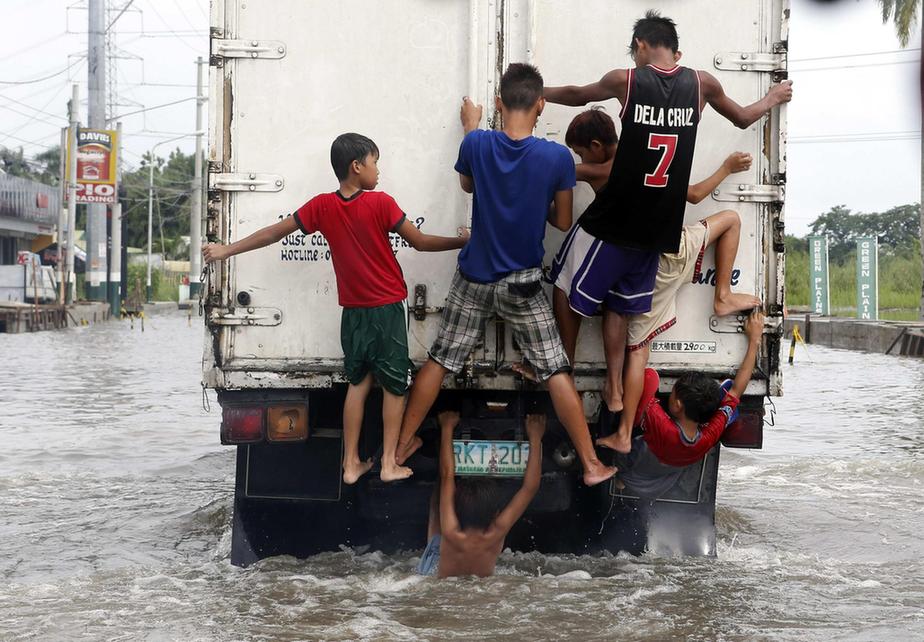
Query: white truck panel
396, 73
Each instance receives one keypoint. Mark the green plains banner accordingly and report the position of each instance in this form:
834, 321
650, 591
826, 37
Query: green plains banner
867, 278
818, 275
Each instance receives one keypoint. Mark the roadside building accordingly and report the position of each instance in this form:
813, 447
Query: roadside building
28, 219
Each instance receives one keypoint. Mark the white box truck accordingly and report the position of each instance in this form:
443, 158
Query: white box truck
286, 78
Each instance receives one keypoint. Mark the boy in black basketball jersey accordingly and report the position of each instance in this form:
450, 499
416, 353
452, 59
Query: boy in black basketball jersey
610, 257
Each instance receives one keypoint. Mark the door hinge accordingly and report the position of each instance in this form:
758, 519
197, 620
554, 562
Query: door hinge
734, 323
245, 316
246, 182
227, 48
750, 193
773, 61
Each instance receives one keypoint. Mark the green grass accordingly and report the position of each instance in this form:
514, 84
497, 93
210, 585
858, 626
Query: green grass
899, 284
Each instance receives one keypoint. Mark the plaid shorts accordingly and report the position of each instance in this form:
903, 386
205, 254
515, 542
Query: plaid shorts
519, 300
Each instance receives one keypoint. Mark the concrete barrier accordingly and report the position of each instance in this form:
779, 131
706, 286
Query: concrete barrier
854, 334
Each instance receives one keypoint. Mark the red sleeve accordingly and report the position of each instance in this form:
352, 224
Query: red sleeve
390, 215
307, 216
712, 431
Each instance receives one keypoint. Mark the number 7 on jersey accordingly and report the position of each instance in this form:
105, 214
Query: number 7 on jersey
668, 143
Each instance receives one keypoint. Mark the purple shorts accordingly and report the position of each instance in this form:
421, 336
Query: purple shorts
593, 272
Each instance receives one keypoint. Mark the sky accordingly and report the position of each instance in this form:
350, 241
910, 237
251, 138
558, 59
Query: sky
854, 123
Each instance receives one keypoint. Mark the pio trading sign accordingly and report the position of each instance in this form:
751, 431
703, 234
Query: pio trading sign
96, 165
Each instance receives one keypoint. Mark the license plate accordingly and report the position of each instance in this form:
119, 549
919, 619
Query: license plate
492, 458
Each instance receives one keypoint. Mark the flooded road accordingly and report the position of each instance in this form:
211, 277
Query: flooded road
116, 507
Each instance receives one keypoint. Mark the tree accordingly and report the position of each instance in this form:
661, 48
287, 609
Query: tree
172, 189
904, 14
43, 168
896, 229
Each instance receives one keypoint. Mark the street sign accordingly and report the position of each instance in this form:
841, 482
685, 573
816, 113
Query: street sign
96, 165
867, 278
818, 275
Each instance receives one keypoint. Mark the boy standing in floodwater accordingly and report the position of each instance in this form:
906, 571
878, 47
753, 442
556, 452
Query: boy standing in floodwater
513, 177
370, 288
467, 526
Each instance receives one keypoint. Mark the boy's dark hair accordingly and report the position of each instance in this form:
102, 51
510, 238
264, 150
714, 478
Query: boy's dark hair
593, 124
656, 30
477, 502
520, 86
701, 395
347, 148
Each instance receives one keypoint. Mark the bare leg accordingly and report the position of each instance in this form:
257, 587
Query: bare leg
423, 393
571, 414
569, 322
614, 346
634, 382
433, 522
392, 410
725, 232
353, 408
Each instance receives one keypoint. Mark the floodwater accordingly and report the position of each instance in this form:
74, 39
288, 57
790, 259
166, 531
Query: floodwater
116, 506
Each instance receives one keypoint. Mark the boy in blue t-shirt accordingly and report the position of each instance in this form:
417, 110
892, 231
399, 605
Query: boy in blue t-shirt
513, 177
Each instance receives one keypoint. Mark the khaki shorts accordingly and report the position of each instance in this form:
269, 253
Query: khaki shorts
673, 271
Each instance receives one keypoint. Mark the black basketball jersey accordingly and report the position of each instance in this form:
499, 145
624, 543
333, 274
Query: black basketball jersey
643, 202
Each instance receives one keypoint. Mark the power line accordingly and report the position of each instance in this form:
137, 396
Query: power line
856, 55
35, 80
866, 64
146, 109
35, 45
22, 104
855, 138
27, 142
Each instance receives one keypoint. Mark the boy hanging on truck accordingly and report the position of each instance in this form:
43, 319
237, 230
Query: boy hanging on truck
697, 412
592, 136
468, 522
612, 256
513, 177
370, 288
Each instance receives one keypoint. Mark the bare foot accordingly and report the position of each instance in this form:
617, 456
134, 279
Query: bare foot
404, 451
617, 441
526, 371
352, 471
612, 400
598, 473
394, 473
731, 303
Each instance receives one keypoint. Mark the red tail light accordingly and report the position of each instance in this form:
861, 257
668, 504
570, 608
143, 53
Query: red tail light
241, 424
747, 431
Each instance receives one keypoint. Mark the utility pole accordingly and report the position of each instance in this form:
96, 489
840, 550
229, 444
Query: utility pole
96, 286
62, 214
115, 255
195, 208
72, 193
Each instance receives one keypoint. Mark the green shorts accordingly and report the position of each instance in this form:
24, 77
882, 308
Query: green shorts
375, 340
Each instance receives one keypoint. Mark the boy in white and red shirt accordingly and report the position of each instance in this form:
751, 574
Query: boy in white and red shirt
370, 288
698, 411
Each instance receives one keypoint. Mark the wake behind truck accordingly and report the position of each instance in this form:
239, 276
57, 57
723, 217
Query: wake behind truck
286, 78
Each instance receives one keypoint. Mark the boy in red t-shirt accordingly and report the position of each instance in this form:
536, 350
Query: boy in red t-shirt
698, 409
370, 288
